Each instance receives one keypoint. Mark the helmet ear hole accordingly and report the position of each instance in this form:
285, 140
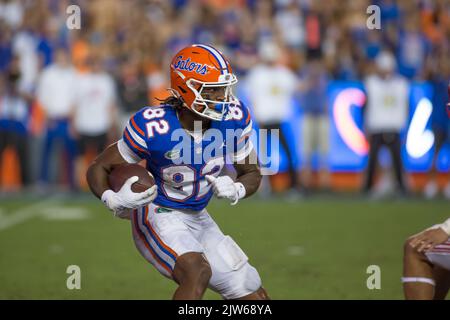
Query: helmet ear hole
181, 89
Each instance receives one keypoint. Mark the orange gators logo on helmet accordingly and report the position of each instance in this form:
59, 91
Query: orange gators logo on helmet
202, 78
188, 65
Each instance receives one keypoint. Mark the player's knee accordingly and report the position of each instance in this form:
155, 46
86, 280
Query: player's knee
260, 294
252, 280
204, 273
263, 294
192, 267
244, 282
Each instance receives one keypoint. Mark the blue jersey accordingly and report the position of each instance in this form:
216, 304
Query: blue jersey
178, 159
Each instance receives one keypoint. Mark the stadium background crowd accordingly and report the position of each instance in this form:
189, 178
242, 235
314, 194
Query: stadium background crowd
122, 52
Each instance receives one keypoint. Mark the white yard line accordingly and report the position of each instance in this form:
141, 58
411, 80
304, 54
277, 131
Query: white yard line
59, 212
23, 214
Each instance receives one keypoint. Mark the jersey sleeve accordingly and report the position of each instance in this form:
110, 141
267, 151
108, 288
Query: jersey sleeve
243, 131
133, 145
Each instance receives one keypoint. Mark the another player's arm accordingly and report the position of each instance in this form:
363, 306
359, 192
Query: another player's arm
428, 239
101, 167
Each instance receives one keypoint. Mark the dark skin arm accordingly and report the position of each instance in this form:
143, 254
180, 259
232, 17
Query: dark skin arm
249, 173
97, 174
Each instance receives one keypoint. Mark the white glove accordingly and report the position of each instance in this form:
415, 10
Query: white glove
125, 199
225, 187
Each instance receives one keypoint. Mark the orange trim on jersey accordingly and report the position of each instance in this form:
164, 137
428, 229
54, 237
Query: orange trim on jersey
142, 237
243, 137
127, 136
135, 127
156, 235
248, 118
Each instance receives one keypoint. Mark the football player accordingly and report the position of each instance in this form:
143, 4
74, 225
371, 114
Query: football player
170, 224
426, 264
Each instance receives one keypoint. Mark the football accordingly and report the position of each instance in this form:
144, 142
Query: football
121, 173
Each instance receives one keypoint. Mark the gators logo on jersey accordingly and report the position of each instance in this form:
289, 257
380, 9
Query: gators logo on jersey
172, 154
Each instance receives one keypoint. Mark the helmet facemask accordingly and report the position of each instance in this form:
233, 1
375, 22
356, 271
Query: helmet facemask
207, 106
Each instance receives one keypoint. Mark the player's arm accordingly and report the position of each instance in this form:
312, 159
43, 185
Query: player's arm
246, 184
132, 148
101, 167
248, 174
245, 162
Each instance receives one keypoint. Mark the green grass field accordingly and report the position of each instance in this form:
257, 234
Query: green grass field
314, 249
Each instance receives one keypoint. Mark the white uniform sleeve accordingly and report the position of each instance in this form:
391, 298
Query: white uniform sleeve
244, 145
41, 91
129, 155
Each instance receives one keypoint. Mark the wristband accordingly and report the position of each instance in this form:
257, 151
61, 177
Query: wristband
240, 192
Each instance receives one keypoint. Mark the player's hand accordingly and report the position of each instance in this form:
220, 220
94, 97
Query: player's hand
225, 188
125, 199
428, 239
132, 200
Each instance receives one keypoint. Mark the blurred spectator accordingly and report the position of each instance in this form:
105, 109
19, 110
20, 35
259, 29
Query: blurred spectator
315, 121
137, 38
374, 44
95, 114
55, 95
14, 118
389, 11
385, 116
435, 18
132, 88
263, 20
345, 67
24, 46
11, 11
439, 79
289, 20
5, 47
271, 87
412, 48
314, 31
